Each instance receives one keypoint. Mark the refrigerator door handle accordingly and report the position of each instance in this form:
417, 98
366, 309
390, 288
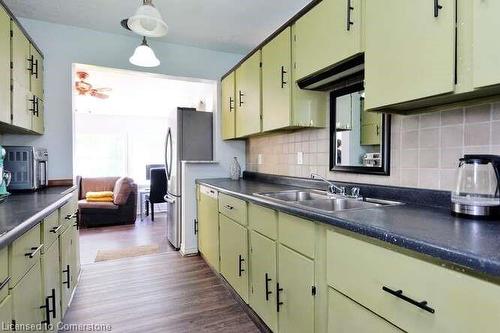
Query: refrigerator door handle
169, 154
169, 199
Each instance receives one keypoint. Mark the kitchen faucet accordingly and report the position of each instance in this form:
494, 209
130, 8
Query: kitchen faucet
332, 188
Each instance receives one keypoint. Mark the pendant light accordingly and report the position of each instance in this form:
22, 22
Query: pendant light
147, 21
144, 56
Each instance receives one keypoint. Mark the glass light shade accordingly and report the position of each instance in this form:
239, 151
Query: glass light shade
144, 56
148, 22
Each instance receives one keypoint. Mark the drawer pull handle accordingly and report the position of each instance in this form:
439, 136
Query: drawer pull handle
229, 207
4, 282
67, 271
268, 292
47, 311
55, 230
278, 303
399, 294
240, 266
35, 251
53, 297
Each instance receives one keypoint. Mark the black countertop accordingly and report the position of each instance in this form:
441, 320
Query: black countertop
473, 244
21, 211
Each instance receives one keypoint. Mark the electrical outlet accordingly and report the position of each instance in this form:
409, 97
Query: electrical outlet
259, 159
300, 157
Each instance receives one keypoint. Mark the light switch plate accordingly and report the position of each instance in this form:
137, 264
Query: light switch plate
259, 159
300, 157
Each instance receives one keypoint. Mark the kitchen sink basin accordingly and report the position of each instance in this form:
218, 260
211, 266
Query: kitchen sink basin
295, 195
323, 201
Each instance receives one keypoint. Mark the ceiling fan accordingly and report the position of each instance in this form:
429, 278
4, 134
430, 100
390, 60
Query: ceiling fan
85, 88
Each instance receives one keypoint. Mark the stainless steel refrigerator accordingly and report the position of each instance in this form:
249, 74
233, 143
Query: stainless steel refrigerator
189, 138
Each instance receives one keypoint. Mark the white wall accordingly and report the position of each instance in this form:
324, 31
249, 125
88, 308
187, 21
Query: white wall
65, 45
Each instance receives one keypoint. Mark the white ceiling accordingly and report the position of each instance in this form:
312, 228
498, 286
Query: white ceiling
225, 25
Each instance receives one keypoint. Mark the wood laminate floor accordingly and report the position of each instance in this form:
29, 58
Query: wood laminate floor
156, 293
144, 232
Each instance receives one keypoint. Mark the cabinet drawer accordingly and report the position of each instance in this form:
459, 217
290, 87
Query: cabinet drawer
263, 220
233, 208
51, 229
387, 282
297, 234
345, 315
67, 213
25, 252
4, 273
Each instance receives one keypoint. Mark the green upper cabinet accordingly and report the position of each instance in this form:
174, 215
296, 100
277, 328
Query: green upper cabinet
228, 107
371, 128
296, 282
328, 34
284, 104
486, 50
234, 255
410, 51
276, 83
263, 278
208, 226
22, 105
4, 66
248, 96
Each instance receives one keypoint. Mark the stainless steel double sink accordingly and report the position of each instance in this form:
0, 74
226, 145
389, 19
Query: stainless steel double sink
324, 201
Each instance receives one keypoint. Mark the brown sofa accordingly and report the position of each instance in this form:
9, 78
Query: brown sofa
123, 209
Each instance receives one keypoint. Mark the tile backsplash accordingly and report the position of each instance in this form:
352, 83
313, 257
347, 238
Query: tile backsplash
424, 148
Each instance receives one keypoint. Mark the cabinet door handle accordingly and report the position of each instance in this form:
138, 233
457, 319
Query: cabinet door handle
35, 68
47, 311
195, 226
37, 106
30, 64
231, 104
268, 292
240, 94
53, 297
33, 104
35, 251
283, 72
240, 266
278, 303
437, 7
229, 207
4, 282
67, 271
399, 294
350, 8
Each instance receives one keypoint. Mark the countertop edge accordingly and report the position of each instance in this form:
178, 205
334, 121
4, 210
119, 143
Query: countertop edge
10, 236
468, 261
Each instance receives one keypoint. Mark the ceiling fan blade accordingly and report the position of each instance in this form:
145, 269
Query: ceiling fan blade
101, 96
102, 89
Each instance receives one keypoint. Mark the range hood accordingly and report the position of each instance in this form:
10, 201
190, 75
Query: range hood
344, 74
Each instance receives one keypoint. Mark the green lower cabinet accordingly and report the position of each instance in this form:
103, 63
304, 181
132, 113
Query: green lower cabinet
27, 299
234, 255
208, 226
75, 251
295, 292
346, 316
6, 315
263, 279
66, 260
52, 283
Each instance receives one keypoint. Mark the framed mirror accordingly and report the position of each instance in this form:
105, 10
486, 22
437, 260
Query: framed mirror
359, 140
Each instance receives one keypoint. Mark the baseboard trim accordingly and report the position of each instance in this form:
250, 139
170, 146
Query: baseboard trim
261, 325
60, 182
